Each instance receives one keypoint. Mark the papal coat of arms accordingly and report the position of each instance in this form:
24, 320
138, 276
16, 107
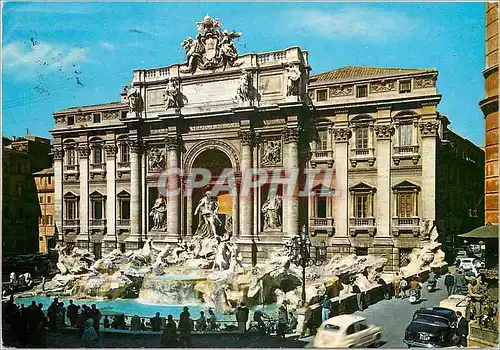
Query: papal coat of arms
212, 48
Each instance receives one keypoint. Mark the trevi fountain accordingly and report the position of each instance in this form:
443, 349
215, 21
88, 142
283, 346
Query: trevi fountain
206, 272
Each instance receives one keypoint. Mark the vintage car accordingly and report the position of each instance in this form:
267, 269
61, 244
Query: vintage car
346, 331
432, 327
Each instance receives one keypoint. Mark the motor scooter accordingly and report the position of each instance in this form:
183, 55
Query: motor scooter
431, 286
414, 296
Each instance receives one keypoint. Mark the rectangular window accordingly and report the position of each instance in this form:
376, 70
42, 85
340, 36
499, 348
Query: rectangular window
122, 247
124, 114
41, 199
97, 209
71, 156
97, 155
404, 86
405, 205
71, 120
406, 135
322, 144
321, 207
71, 210
96, 117
49, 219
125, 153
49, 199
124, 208
362, 138
49, 180
361, 206
41, 239
321, 95
362, 91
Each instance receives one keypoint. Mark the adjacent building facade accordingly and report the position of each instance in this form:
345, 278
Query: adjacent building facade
377, 132
22, 156
44, 181
489, 107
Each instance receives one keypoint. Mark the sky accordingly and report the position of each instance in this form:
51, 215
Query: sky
60, 55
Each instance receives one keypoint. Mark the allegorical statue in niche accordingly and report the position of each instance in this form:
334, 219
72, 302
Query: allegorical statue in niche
172, 95
293, 81
272, 211
134, 100
245, 91
158, 212
208, 217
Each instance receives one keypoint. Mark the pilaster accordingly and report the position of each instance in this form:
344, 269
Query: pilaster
84, 152
429, 132
383, 133
110, 150
341, 136
58, 155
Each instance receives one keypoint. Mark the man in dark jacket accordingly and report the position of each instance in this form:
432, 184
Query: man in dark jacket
156, 322
242, 317
462, 329
449, 282
72, 312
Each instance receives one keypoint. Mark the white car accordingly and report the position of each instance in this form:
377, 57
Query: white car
456, 303
346, 331
466, 264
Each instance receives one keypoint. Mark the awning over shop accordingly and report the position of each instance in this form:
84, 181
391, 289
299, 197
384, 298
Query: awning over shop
483, 232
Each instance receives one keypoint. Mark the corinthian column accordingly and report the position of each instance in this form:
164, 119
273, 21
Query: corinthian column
173, 201
246, 200
342, 136
135, 191
291, 138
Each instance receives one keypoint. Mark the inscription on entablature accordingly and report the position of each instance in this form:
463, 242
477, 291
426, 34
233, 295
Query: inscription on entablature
270, 84
158, 131
274, 121
213, 126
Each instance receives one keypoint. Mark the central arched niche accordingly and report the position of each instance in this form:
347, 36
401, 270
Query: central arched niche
216, 162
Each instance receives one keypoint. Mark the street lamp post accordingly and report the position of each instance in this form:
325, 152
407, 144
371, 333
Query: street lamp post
299, 249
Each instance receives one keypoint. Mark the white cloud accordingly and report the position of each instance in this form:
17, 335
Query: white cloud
353, 22
107, 46
28, 58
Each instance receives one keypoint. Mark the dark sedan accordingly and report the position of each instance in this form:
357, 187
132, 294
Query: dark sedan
432, 327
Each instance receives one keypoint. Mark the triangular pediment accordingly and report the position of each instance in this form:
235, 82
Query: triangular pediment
406, 185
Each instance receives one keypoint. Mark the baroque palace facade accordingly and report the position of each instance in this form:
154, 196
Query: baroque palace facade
377, 130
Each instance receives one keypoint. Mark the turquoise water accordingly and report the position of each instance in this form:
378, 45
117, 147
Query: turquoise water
132, 307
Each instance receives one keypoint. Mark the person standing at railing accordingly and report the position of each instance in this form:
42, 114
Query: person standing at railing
156, 322
212, 321
242, 317
96, 315
72, 313
282, 321
169, 335
201, 324
185, 325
